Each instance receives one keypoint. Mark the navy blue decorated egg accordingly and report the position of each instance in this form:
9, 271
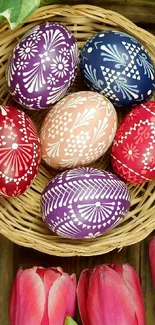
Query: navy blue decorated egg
119, 67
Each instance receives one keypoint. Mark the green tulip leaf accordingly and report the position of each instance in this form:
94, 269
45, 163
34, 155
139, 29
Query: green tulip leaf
69, 321
16, 11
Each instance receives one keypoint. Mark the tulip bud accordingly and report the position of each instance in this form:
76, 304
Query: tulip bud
110, 295
152, 258
42, 297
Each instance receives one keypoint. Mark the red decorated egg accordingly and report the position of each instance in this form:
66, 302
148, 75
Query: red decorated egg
133, 149
19, 151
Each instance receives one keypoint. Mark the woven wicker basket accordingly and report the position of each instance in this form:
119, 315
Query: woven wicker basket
20, 219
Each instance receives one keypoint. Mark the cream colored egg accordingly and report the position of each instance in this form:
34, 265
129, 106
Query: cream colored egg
78, 130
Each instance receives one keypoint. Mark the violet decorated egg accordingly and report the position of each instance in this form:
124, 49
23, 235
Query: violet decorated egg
78, 130
19, 151
133, 149
84, 202
118, 66
43, 66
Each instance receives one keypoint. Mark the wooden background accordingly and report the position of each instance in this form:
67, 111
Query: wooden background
13, 256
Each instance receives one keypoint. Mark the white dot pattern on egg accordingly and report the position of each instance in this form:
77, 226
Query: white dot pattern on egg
84, 202
78, 130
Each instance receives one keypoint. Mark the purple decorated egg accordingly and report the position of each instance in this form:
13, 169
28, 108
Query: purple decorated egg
43, 66
84, 202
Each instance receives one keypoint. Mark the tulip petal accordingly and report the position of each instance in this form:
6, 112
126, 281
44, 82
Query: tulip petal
13, 306
30, 298
82, 292
135, 292
59, 268
152, 258
62, 299
108, 299
50, 276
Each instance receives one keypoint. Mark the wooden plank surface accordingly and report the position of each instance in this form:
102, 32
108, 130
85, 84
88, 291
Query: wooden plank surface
148, 291
13, 256
6, 277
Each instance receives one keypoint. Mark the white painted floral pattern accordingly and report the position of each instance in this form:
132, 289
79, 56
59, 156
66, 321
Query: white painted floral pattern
68, 163
97, 212
91, 75
58, 92
148, 67
21, 65
28, 50
83, 118
34, 78
135, 143
82, 203
78, 130
129, 91
54, 149
112, 54
59, 66
35, 36
43, 65
19, 151
100, 130
13, 159
52, 80
118, 66
77, 144
53, 39
65, 52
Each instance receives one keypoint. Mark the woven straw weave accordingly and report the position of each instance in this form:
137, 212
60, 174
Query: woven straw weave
20, 219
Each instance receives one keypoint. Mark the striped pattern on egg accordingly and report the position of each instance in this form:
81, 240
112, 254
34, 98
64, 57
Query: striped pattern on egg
84, 202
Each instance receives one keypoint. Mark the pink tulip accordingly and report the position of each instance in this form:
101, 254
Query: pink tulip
110, 295
42, 297
152, 258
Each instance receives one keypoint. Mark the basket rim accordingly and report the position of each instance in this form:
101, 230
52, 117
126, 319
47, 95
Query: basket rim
35, 245
79, 9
